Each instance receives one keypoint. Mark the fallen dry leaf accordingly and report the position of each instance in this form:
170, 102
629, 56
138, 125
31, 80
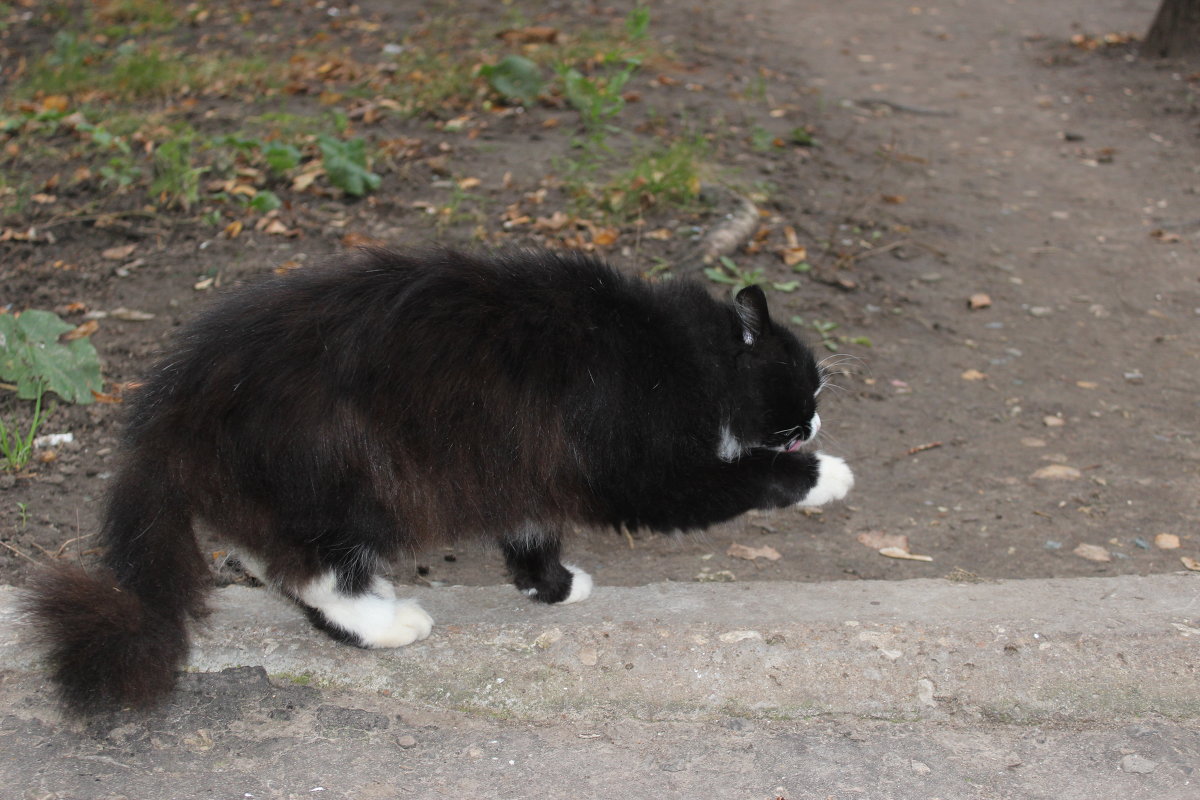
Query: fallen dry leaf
1092, 552
1165, 236
1057, 472
233, 229
604, 237
878, 540
86, 329
973, 375
357, 239
129, 315
1166, 541
306, 179
118, 253
896, 552
55, 102
750, 553
1190, 563
978, 301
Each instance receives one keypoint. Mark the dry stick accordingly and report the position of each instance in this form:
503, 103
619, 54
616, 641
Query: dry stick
62, 547
628, 535
18, 552
902, 107
726, 236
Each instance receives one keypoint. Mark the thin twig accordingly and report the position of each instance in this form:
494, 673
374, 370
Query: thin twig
18, 552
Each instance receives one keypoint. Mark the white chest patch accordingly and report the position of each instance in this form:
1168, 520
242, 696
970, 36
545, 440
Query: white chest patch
729, 449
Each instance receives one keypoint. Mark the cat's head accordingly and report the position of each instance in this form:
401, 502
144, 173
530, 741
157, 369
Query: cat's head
778, 380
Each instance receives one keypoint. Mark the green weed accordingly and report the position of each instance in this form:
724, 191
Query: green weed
17, 449
34, 359
729, 273
597, 99
346, 167
176, 180
825, 328
514, 78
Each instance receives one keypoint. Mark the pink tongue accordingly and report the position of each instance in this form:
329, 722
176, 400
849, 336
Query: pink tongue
794, 446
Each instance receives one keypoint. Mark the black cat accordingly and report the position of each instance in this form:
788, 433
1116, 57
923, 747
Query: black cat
330, 419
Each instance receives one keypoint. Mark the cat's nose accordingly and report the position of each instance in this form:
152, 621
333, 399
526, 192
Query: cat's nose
814, 426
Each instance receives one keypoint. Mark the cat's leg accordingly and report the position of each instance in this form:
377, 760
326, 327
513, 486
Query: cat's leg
532, 557
328, 563
834, 481
367, 615
707, 493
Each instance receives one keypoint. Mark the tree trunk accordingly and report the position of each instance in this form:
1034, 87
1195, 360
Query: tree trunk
1175, 32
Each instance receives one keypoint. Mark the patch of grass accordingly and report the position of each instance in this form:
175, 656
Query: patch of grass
176, 180
145, 73
140, 15
659, 177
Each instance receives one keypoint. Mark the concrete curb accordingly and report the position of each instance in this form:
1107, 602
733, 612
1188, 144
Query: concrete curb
1017, 651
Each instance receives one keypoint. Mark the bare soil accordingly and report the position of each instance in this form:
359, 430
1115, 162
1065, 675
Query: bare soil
963, 148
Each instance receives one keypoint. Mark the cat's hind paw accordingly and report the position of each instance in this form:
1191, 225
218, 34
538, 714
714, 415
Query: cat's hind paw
834, 481
581, 585
409, 623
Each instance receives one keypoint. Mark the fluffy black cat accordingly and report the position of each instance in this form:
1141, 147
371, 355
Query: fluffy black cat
332, 418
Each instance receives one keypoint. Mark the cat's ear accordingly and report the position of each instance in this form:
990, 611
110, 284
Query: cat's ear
751, 307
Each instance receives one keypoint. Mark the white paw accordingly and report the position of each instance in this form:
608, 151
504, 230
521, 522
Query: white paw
409, 623
834, 480
581, 585
376, 617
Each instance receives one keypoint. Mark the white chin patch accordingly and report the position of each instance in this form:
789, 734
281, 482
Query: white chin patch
815, 425
834, 481
581, 585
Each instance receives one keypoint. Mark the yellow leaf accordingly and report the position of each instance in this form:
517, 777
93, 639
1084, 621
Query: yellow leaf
750, 553
605, 237
1092, 552
1166, 541
118, 253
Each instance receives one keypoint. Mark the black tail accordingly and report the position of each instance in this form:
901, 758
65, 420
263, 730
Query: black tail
116, 636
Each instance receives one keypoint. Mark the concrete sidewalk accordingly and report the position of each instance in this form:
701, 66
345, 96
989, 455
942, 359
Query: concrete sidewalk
1063, 688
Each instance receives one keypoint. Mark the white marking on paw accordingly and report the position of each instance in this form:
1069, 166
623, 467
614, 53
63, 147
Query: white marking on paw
834, 480
377, 618
581, 585
730, 449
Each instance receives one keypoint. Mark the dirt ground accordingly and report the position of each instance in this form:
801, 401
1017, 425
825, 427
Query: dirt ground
964, 149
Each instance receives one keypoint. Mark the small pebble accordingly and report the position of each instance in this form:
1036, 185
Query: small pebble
1138, 765
406, 741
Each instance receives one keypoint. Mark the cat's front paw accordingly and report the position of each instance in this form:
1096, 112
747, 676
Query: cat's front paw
834, 481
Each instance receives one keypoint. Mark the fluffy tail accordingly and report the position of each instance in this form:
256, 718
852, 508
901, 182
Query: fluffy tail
115, 637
